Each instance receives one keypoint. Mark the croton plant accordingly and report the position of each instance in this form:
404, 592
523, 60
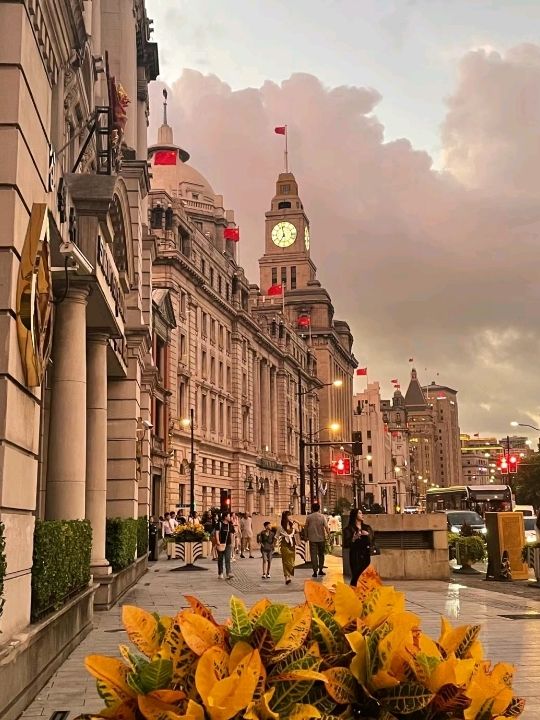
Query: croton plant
343, 653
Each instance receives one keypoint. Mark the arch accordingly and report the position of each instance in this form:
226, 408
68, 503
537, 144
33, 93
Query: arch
122, 246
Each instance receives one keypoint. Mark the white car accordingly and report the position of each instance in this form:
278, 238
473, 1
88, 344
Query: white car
530, 530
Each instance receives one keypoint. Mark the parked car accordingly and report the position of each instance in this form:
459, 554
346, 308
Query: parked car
457, 518
530, 529
527, 510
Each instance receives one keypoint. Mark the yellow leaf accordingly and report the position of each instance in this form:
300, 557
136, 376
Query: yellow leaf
297, 629
260, 709
199, 633
341, 685
255, 612
211, 668
368, 581
458, 640
380, 604
142, 629
239, 652
194, 711
171, 697
348, 604
153, 709
359, 663
300, 674
451, 672
304, 712
318, 594
383, 679
234, 693
489, 690
200, 608
111, 674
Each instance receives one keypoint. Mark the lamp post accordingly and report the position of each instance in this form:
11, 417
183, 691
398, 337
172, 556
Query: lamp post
302, 442
191, 423
314, 468
514, 423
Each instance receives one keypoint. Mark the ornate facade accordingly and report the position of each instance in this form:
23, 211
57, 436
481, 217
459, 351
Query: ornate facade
73, 187
232, 359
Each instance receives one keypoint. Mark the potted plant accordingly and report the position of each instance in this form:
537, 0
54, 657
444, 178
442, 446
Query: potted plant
187, 542
469, 550
343, 653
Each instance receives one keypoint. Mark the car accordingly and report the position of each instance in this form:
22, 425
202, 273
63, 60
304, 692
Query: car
527, 510
457, 518
530, 530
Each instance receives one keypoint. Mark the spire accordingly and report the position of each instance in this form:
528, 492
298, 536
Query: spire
165, 133
414, 397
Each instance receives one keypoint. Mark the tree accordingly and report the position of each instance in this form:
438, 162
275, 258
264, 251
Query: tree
527, 482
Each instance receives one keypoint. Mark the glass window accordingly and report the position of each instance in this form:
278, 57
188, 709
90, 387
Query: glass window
293, 277
283, 275
274, 276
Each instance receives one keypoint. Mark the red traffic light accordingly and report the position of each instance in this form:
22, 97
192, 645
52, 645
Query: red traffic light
513, 463
341, 466
503, 466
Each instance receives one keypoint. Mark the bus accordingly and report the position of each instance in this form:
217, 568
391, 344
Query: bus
480, 498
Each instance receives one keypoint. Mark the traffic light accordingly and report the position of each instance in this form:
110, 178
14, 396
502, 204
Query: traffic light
341, 466
503, 466
357, 443
224, 500
513, 463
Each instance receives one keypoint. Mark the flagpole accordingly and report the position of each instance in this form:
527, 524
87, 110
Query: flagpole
286, 152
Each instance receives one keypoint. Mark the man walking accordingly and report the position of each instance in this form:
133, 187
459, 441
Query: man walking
246, 526
316, 531
267, 541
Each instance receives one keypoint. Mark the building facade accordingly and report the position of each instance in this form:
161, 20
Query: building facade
395, 416
232, 357
76, 261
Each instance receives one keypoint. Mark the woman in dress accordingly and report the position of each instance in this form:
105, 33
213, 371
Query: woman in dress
286, 533
358, 537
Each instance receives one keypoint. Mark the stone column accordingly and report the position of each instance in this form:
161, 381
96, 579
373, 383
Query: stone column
265, 405
96, 451
66, 473
257, 402
273, 411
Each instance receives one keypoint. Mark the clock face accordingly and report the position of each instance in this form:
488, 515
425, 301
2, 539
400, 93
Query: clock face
306, 237
283, 234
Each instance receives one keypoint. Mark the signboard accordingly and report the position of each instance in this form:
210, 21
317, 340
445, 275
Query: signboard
505, 538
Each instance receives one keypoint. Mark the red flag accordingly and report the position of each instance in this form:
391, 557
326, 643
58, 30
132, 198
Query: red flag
275, 290
361, 371
232, 234
304, 321
394, 381
282, 130
165, 157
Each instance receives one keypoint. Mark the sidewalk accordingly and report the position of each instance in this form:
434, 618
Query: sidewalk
515, 640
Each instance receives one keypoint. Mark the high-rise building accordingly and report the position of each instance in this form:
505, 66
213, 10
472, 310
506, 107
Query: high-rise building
443, 400
395, 417
287, 263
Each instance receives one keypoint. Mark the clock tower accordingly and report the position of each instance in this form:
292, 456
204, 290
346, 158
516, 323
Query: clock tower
286, 260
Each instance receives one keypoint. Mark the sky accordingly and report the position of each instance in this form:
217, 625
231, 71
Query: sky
414, 135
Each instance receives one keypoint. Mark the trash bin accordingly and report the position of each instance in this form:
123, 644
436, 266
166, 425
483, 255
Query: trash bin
153, 542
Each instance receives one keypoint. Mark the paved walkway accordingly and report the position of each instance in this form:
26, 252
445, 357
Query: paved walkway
515, 640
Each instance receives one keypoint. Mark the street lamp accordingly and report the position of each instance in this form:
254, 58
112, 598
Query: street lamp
301, 443
514, 423
190, 422
314, 468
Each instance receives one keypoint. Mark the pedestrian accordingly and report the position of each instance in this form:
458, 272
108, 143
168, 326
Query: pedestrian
286, 532
237, 536
224, 533
180, 517
247, 534
267, 541
358, 537
316, 532
169, 525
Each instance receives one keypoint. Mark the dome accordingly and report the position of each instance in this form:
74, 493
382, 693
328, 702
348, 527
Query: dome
192, 182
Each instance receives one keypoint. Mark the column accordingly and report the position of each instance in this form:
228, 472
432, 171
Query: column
66, 473
256, 404
96, 452
265, 404
274, 410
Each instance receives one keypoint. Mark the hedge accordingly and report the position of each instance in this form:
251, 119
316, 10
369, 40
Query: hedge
121, 542
61, 563
3, 565
142, 536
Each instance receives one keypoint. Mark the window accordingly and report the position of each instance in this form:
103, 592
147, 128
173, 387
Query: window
204, 416
370, 477
213, 415
244, 350
229, 419
213, 326
228, 386
219, 284
204, 329
183, 303
369, 434
213, 467
212, 369
220, 419
195, 196
196, 317
293, 277
285, 189
203, 363
244, 384
205, 465
222, 469
203, 263
369, 448
283, 275
220, 337
228, 346
183, 349
227, 291
274, 276
211, 277
220, 374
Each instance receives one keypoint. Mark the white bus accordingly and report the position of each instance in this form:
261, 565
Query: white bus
480, 498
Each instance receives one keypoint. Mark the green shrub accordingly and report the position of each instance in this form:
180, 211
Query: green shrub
470, 549
3, 565
142, 536
121, 542
61, 563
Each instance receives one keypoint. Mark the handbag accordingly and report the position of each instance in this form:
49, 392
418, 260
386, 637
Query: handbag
221, 547
374, 549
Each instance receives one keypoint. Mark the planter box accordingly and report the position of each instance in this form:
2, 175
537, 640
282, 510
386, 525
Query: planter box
188, 552
33, 656
112, 587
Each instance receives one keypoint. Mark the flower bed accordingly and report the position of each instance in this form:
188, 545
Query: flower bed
344, 653
189, 533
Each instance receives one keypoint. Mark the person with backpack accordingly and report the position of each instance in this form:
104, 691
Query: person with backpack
224, 533
267, 540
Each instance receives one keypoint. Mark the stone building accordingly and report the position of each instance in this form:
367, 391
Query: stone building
231, 357
308, 306
395, 417
75, 294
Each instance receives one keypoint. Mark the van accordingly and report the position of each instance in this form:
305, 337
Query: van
527, 510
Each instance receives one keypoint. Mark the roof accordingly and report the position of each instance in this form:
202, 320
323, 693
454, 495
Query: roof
414, 397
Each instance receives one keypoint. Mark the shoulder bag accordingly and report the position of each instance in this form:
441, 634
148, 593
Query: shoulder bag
222, 546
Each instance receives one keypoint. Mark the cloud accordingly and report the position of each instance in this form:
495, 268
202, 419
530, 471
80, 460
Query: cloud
435, 265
